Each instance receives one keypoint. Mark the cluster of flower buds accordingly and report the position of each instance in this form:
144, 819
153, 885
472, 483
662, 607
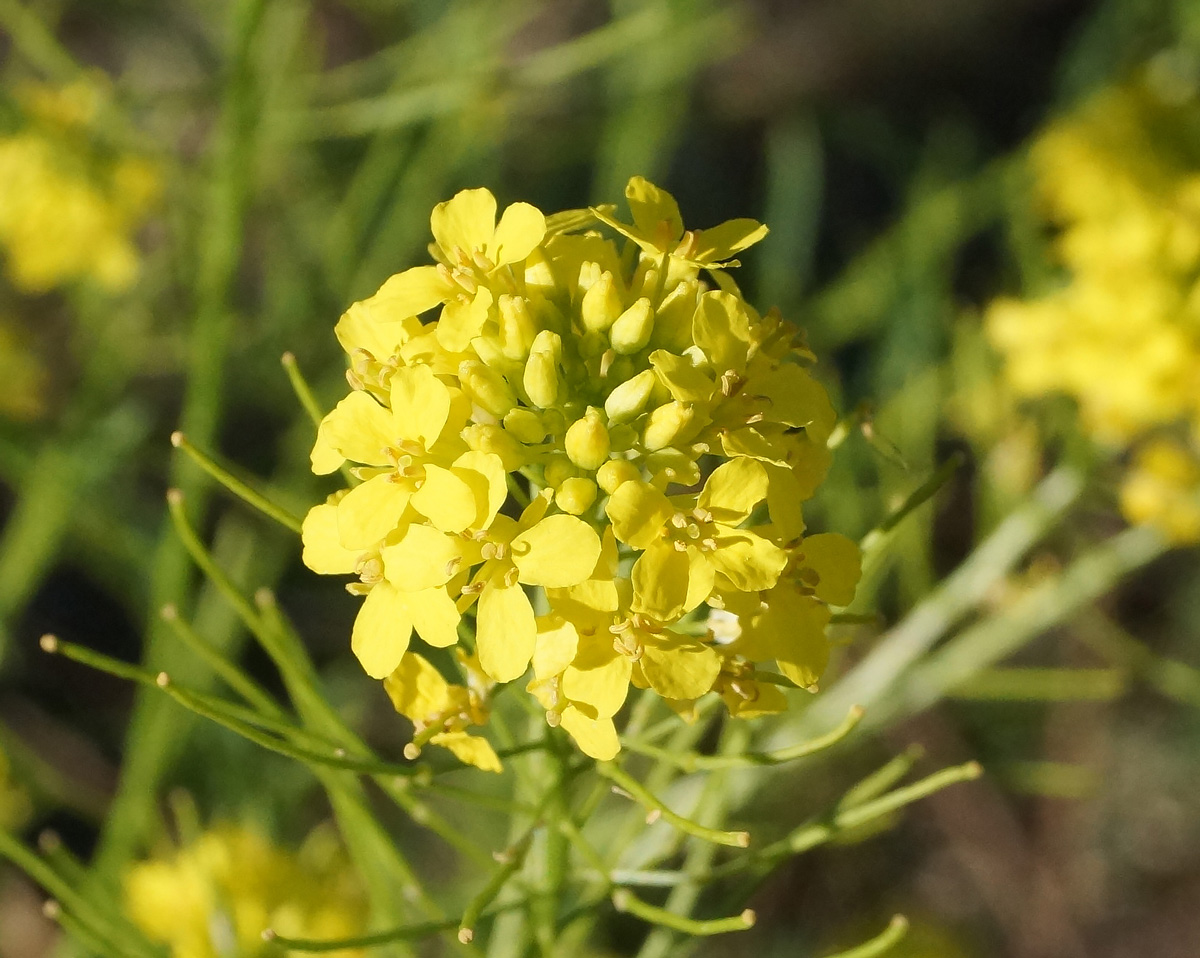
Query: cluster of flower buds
598, 451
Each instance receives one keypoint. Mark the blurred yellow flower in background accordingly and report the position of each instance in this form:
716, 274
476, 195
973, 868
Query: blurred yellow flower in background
68, 209
215, 896
1120, 178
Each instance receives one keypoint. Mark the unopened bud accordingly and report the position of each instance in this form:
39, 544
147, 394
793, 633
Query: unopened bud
524, 425
629, 399
666, 424
486, 387
631, 330
517, 328
587, 440
541, 370
575, 495
601, 304
488, 437
559, 470
615, 472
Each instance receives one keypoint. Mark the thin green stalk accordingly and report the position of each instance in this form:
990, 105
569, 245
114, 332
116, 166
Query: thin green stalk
304, 393
882, 943
153, 738
514, 859
627, 783
1177, 681
240, 488
882, 779
227, 671
691, 762
626, 901
875, 541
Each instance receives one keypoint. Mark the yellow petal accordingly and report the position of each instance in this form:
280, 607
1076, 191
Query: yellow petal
599, 682
794, 630
596, 738
420, 404
447, 500
719, 243
381, 631
412, 292
434, 616
655, 212
701, 579
785, 498
559, 551
506, 631
417, 689
685, 382
638, 511
678, 667
796, 398
368, 512
460, 322
518, 233
747, 560
465, 222
423, 558
490, 467
375, 326
323, 549
557, 642
721, 328
470, 749
358, 429
838, 562
660, 582
734, 489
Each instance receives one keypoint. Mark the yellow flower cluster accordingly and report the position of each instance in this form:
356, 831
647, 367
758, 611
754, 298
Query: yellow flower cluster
217, 895
1121, 335
66, 211
591, 380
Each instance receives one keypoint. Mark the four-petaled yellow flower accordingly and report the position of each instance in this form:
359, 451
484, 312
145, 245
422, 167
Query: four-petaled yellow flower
594, 381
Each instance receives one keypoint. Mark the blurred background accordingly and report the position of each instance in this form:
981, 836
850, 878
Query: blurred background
190, 190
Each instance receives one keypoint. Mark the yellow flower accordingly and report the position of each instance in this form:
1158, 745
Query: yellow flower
66, 209
593, 381
1163, 489
215, 896
440, 711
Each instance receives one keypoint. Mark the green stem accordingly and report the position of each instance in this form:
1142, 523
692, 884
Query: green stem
882, 943
300, 387
238, 487
625, 900
514, 859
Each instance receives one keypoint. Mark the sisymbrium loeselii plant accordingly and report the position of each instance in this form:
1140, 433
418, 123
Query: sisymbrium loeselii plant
586, 458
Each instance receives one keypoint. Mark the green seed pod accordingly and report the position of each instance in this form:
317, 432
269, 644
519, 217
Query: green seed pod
486, 387
575, 495
666, 424
628, 400
601, 304
632, 329
541, 380
587, 440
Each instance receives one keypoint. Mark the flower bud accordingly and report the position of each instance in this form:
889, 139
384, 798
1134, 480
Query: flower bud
601, 304
488, 437
486, 387
524, 425
627, 401
517, 328
666, 424
541, 379
587, 440
575, 495
558, 471
615, 472
631, 330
